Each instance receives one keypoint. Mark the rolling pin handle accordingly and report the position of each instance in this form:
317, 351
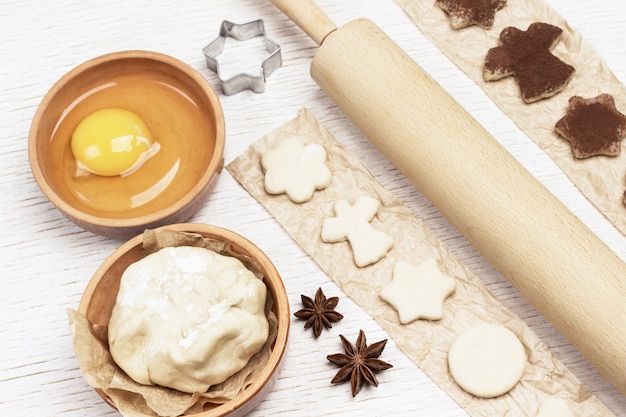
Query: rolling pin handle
308, 16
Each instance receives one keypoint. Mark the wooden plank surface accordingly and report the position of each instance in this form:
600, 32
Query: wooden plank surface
45, 261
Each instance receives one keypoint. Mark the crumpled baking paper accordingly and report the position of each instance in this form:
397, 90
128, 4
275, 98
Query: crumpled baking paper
425, 342
136, 400
601, 179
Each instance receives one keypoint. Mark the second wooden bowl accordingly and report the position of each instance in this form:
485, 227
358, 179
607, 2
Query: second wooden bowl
101, 293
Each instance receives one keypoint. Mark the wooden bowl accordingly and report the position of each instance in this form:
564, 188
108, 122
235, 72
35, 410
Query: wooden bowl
184, 116
101, 293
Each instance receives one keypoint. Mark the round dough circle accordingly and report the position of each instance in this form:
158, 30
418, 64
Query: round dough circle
487, 360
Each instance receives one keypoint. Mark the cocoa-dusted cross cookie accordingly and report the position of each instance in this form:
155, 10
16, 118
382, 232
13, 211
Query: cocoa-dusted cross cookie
527, 56
593, 126
464, 13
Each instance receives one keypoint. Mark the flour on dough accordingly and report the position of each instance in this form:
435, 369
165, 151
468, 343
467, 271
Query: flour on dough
555, 407
418, 291
352, 223
295, 169
487, 360
187, 318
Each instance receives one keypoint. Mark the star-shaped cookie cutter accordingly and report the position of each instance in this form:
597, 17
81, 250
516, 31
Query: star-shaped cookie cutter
243, 81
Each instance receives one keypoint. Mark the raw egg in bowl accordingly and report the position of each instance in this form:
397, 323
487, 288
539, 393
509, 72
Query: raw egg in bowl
128, 141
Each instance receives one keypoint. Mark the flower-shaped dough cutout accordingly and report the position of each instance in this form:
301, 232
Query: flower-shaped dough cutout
418, 291
555, 407
295, 169
527, 56
464, 13
352, 223
593, 126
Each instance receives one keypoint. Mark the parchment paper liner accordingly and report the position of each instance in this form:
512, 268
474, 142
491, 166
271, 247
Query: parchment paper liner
602, 180
424, 342
136, 400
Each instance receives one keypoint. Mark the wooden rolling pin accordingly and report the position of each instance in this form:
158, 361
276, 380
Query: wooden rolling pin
546, 252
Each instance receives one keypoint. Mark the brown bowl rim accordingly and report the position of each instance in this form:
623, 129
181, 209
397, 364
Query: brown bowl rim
215, 164
251, 393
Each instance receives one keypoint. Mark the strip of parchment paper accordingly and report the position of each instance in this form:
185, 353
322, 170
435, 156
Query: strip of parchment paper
425, 342
601, 179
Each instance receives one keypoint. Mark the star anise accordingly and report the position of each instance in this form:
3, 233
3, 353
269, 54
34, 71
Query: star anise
318, 313
359, 363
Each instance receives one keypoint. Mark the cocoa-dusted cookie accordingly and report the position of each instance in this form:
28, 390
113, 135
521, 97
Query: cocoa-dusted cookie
593, 126
527, 56
464, 13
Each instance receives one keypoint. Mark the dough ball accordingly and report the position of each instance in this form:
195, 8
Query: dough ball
187, 318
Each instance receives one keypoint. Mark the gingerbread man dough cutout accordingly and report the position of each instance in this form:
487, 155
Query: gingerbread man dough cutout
352, 223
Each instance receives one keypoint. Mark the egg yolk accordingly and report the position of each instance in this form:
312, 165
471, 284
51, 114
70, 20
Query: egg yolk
111, 142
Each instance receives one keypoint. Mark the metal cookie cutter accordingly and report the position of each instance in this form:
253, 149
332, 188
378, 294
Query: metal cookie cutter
243, 81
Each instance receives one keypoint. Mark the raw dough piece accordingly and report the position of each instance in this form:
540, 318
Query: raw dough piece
418, 291
555, 407
593, 126
487, 360
352, 223
187, 318
464, 13
527, 56
295, 169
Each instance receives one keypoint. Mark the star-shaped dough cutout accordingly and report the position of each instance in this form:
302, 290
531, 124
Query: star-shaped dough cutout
527, 56
464, 13
593, 126
555, 407
352, 223
295, 169
418, 291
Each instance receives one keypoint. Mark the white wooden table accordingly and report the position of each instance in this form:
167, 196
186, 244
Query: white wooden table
46, 261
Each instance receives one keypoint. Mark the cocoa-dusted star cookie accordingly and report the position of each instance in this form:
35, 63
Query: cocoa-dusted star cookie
464, 13
527, 56
593, 126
